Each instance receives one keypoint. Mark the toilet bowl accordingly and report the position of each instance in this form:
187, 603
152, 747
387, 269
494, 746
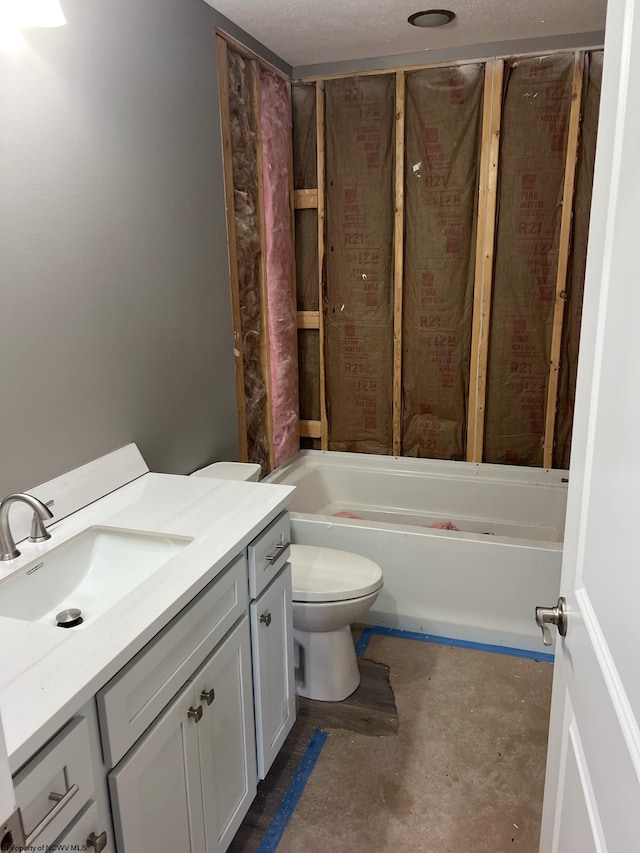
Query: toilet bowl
331, 589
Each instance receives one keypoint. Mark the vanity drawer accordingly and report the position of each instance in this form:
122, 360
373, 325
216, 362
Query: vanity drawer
268, 553
140, 691
54, 786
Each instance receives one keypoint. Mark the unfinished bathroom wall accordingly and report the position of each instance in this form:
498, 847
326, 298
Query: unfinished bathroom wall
535, 117
440, 252
275, 125
443, 112
248, 257
577, 262
358, 311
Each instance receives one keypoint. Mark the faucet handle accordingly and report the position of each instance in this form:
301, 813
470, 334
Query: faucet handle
39, 532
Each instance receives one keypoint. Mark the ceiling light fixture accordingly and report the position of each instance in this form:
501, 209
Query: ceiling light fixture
431, 18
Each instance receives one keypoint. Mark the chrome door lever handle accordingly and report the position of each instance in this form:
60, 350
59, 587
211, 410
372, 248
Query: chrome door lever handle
557, 616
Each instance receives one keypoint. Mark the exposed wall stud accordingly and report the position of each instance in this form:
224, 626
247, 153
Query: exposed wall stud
310, 429
563, 257
308, 319
223, 85
398, 263
324, 433
488, 192
305, 199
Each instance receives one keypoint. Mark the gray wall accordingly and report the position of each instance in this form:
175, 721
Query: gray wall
114, 289
452, 54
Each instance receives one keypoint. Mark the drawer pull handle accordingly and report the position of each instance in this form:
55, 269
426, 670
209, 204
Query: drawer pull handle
273, 558
53, 814
98, 842
195, 713
266, 619
208, 696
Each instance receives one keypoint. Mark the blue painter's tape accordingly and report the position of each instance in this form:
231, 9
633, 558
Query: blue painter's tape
367, 633
363, 641
287, 806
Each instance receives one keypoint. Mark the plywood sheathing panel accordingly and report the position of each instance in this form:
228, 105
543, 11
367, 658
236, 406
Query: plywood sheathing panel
359, 262
275, 124
309, 368
537, 99
577, 261
306, 222
248, 257
442, 159
303, 102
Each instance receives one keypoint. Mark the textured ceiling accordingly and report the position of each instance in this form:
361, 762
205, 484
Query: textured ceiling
304, 32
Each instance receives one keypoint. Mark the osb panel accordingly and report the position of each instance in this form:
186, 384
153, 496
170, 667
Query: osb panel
307, 260
535, 121
359, 286
577, 262
275, 124
303, 96
443, 126
309, 367
245, 189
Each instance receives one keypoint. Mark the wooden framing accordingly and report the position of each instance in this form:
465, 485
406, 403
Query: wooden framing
254, 74
247, 53
563, 257
320, 137
446, 63
485, 238
398, 264
309, 429
308, 319
305, 199
225, 117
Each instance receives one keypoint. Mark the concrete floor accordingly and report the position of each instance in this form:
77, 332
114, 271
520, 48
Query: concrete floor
462, 771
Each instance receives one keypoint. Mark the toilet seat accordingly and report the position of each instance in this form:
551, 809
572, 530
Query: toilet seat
326, 574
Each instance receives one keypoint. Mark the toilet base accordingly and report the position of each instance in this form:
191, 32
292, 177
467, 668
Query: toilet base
326, 664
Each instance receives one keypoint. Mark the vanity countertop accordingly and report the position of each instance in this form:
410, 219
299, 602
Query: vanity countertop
47, 673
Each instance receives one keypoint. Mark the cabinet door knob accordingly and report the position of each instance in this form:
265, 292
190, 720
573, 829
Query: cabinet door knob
98, 842
208, 696
195, 713
266, 619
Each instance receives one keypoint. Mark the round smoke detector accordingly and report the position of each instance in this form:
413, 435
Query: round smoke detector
431, 18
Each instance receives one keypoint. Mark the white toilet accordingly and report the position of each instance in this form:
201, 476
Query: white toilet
331, 589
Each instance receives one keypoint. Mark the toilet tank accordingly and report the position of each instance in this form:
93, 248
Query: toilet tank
230, 471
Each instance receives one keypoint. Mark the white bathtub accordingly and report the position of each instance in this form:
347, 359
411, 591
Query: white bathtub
479, 583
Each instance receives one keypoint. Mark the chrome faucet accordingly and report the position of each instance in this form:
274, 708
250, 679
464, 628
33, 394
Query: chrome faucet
39, 533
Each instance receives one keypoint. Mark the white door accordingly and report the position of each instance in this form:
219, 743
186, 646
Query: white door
592, 794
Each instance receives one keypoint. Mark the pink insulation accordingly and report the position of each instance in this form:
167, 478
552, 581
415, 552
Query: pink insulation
275, 126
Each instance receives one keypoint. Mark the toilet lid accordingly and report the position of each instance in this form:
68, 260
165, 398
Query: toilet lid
325, 574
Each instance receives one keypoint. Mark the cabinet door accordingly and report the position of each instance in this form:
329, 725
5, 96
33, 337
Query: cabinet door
155, 790
87, 832
274, 685
226, 737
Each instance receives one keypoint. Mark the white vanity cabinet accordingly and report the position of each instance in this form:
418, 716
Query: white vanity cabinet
187, 784
271, 640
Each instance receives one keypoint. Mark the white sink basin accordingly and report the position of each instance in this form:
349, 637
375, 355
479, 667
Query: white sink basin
91, 572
